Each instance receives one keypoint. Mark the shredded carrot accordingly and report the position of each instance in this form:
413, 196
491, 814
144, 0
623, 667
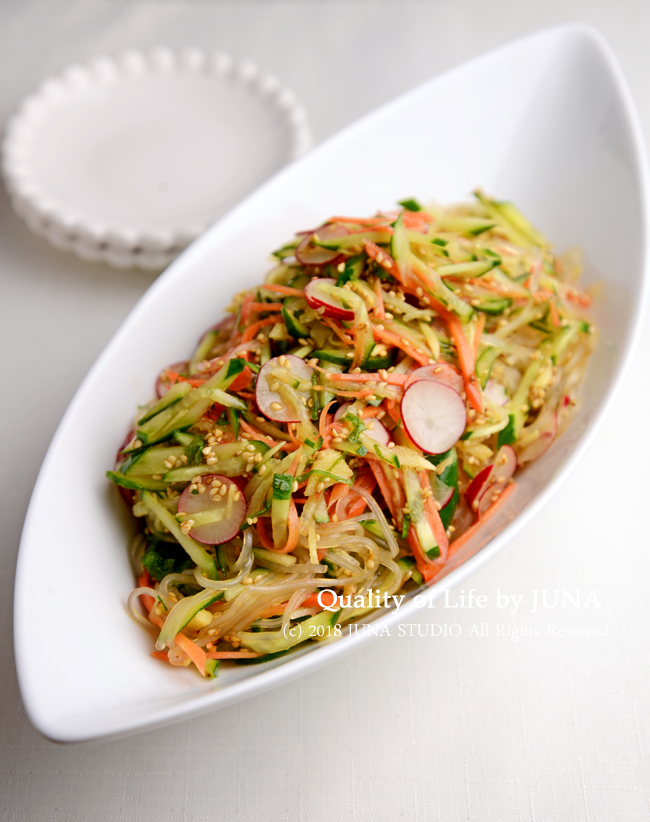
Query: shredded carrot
274, 610
337, 330
174, 376
284, 289
368, 221
379, 310
367, 481
393, 410
252, 330
466, 362
581, 299
160, 655
398, 342
323, 424
196, 654
433, 517
383, 258
265, 307
328, 598
457, 544
145, 580
416, 220
295, 462
480, 325
232, 655
260, 527
372, 376
425, 566
376, 469
257, 434
344, 392
245, 309
370, 411
339, 491
294, 531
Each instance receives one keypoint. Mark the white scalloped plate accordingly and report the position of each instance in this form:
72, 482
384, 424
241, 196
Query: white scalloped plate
127, 160
546, 121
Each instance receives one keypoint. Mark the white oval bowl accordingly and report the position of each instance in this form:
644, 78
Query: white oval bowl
547, 122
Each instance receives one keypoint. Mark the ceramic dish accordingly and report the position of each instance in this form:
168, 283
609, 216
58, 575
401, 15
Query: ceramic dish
126, 160
562, 141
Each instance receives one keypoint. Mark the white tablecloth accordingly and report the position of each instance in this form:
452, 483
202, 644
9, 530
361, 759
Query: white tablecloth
499, 727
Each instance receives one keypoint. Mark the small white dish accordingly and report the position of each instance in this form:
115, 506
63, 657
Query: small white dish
547, 122
127, 160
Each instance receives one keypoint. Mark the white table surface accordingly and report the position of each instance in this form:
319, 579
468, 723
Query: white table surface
467, 728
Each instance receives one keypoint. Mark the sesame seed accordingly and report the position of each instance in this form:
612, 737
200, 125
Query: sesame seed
156, 476
207, 450
276, 406
212, 460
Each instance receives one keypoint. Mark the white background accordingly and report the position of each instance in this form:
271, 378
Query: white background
468, 728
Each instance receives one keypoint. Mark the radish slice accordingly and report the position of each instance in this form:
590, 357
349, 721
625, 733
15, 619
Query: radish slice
445, 499
379, 433
477, 486
318, 298
163, 384
441, 372
496, 392
542, 443
216, 517
270, 403
434, 415
505, 465
308, 253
